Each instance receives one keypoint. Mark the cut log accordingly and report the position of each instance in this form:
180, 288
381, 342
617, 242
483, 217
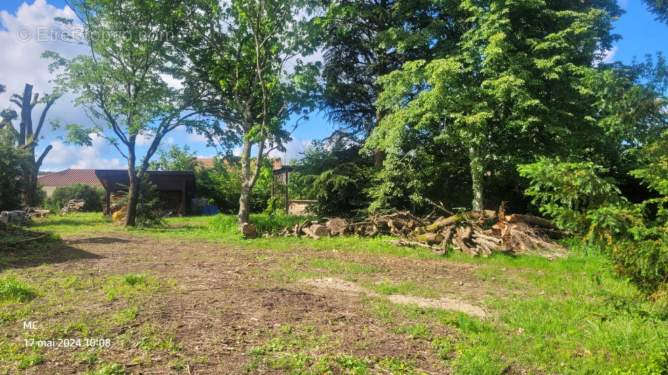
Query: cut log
337, 226
316, 231
529, 219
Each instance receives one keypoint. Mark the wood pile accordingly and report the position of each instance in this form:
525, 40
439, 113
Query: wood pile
74, 205
472, 232
17, 217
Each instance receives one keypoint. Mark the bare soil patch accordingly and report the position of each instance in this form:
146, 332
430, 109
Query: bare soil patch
441, 303
219, 303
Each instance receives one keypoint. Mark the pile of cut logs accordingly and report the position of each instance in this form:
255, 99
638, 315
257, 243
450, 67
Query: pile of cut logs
73, 205
472, 232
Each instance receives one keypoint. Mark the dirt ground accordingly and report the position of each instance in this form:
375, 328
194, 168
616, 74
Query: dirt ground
220, 303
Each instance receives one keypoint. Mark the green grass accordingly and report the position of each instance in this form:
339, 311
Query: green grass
568, 316
12, 290
129, 285
410, 288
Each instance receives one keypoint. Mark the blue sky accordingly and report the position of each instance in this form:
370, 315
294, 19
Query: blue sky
641, 35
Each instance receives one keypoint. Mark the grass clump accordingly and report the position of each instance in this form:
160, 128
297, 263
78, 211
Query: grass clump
12, 290
129, 286
265, 223
30, 360
109, 369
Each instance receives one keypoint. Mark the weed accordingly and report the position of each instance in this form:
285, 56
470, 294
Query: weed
30, 360
109, 369
129, 286
12, 290
125, 316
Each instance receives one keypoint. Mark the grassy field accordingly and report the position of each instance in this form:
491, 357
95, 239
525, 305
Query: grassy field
193, 297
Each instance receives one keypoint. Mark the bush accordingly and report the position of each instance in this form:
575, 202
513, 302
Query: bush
340, 191
92, 196
644, 262
149, 211
10, 173
570, 193
221, 185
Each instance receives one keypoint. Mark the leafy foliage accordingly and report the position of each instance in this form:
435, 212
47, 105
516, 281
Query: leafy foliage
567, 192
123, 84
364, 40
658, 7
644, 262
175, 159
149, 207
241, 49
336, 175
11, 171
487, 95
92, 196
340, 190
221, 185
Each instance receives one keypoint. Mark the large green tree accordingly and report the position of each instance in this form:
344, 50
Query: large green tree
237, 54
124, 82
364, 40
510, 90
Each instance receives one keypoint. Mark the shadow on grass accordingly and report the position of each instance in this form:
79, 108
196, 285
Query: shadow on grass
97, 240
47, 250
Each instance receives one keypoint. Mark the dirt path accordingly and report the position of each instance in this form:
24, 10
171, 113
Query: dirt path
222, 304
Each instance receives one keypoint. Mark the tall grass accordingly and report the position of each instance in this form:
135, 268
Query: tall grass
265, 223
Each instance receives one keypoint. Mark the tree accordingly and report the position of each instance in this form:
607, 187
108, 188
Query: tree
364, 40
509, 90
236, 54
28, 136
175, 159
123, 83
12, 163
658, 7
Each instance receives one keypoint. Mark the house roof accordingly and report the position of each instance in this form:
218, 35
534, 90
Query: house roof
206, 163
115, 180
70, 177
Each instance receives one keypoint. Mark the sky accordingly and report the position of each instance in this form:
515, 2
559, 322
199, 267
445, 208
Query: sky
20, 63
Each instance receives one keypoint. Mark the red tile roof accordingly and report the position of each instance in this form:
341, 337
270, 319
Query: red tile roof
206, 163
70, 177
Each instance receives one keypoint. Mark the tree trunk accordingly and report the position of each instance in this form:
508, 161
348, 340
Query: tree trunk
244, 198
477, 176
378, 154
133, 193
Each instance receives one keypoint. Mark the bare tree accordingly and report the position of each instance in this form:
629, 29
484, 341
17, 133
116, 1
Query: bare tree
28, 136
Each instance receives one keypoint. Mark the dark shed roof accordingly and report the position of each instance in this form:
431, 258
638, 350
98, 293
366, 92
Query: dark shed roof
116, 179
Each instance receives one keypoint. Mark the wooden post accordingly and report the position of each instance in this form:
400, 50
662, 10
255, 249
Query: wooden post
107, 202
183, 198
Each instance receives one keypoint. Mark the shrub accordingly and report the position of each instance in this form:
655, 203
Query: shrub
92, 196
10, 173
149, 211
645, 263
221, 185
569, 193
340, 190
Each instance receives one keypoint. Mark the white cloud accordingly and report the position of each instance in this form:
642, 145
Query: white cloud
293, 150
65, 156
609, 55
24, 37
